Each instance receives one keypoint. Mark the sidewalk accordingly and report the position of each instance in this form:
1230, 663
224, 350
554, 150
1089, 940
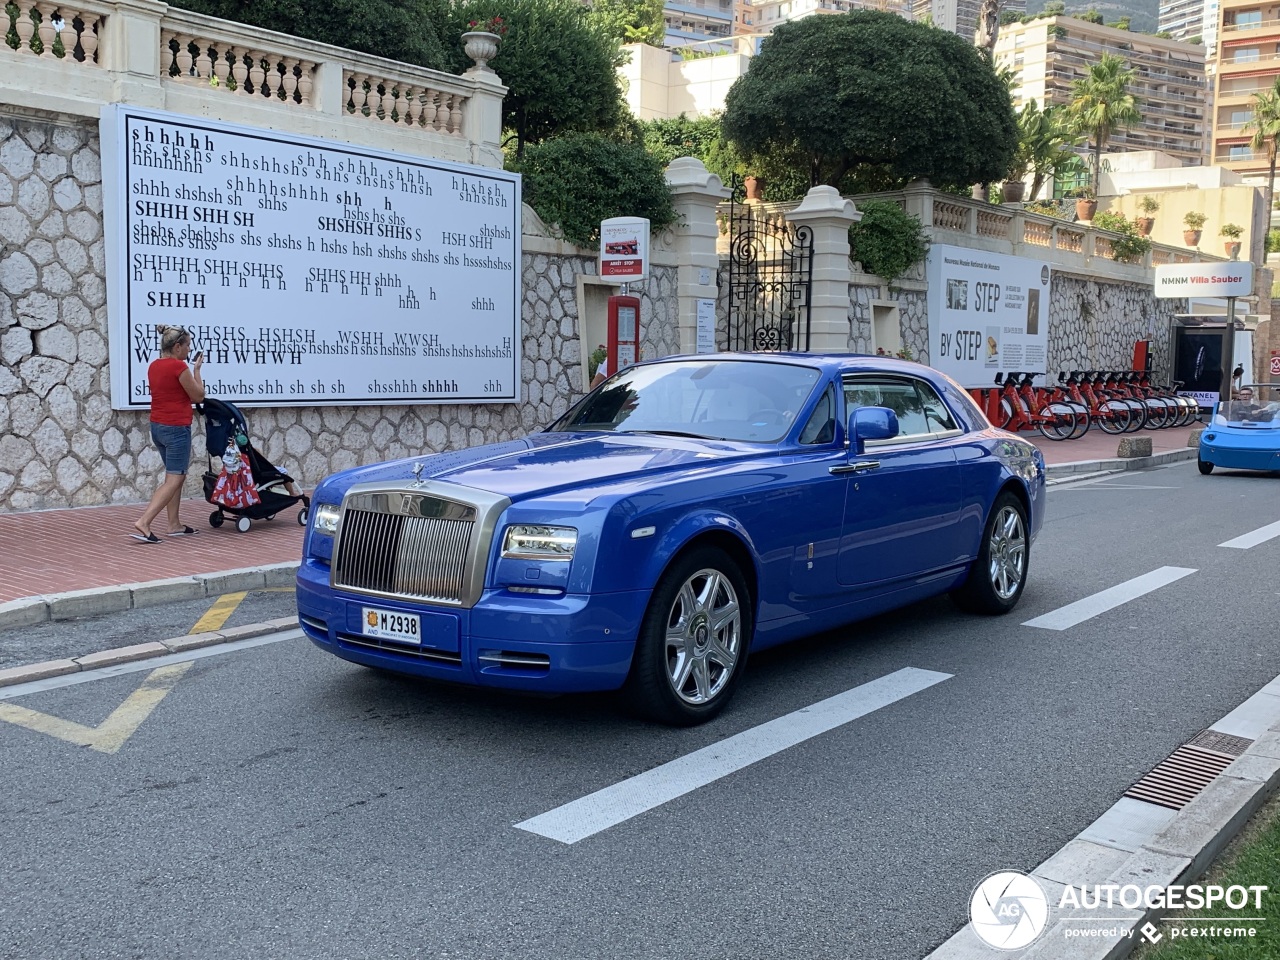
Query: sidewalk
50, 553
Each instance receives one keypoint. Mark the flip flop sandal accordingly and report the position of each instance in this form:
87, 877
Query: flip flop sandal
184, 532
150, 538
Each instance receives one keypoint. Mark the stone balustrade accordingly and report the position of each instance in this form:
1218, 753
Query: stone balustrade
73, 59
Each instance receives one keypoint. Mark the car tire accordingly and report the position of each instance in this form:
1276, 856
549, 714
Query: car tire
693, 641
1205, 466
999, 573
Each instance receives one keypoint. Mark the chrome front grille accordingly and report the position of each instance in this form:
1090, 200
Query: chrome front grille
428, 542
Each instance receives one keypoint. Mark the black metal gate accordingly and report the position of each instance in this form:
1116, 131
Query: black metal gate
770, 278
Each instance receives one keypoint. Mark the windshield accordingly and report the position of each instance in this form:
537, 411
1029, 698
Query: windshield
713, 399
1257, 406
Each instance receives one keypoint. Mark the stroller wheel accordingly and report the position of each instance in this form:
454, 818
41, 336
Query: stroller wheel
243, 524
216, 518
302, 517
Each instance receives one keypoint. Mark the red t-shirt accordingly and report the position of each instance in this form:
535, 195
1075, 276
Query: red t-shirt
170, 404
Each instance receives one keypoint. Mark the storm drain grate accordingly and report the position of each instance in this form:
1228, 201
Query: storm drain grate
1177, 779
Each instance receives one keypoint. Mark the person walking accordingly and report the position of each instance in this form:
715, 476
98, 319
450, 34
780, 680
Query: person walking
174, 388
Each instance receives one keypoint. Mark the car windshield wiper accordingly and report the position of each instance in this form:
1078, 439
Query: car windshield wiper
674, 433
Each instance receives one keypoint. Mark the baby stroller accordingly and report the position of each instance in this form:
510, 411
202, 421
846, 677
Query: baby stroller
277, 491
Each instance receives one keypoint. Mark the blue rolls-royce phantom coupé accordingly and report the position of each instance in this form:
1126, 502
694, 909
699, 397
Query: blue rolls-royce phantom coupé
686, 512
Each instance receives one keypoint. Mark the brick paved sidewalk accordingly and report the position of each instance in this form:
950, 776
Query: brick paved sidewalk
52, 551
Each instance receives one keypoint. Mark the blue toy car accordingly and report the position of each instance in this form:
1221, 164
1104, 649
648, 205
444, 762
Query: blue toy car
1244, 432
683, 514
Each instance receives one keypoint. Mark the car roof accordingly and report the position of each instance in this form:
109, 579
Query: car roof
827, 362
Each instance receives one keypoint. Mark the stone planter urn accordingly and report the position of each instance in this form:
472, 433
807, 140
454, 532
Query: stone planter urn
1085, 209
1012, 191
1233, 248
1191, 238
755, 188
481, 46
1144, 225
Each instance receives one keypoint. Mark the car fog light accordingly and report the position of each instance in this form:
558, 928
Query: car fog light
325, 518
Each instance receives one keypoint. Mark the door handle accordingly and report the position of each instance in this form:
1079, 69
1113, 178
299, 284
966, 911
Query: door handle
857, 467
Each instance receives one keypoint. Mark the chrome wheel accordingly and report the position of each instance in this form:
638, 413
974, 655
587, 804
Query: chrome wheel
1007, 552
703, 636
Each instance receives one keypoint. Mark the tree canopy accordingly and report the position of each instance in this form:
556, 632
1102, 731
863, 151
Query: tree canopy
1265, 126
630, 21
404, 30
872, 89
559, 67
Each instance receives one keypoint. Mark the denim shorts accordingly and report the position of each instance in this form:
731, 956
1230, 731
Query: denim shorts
174, 444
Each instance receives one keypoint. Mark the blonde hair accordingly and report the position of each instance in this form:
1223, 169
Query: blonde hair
171, 336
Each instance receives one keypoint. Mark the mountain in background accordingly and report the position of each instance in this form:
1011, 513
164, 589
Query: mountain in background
1143, 14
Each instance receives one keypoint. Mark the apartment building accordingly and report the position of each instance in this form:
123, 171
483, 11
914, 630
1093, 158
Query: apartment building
959, 16
762, 16
1191, 19
1048, 55
1247, 62
697, 21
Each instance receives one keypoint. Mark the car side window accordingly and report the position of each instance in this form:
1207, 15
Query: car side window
821, 427
935, 411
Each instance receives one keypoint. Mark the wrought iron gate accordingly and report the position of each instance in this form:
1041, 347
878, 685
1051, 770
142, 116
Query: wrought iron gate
770, 278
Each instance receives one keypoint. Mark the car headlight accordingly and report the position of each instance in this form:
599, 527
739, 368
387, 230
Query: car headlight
526, 541
325, 517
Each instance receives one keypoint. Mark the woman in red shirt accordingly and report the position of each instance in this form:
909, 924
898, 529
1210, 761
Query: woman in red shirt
174, 388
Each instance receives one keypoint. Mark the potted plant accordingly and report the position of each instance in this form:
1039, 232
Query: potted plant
1231, 232
1195, 223
481, 40
1011, 191
1147, 205
1086, 202
754, 187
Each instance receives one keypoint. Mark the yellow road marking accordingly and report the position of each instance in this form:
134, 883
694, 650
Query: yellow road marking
219, 613
110, 735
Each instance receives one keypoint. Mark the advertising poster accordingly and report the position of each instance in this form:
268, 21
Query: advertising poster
988, 314
308, 271
624, 248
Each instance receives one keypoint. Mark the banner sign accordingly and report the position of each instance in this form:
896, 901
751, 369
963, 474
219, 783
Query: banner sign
988, 314
624, 248
1181, 280
308, 271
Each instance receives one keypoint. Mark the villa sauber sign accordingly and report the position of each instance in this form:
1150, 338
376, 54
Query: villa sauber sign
308, 271
1179, 280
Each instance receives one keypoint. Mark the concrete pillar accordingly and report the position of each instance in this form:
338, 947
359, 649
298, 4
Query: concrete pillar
482, 120
130, 50
696, 193
829, 215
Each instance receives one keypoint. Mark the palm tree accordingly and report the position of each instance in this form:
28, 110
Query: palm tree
1045, 144
1266, 127
1101, 104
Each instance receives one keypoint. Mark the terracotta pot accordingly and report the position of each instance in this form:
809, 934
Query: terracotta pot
754, 187
1144, 225
1233, 248
1085, 209
1191, 238
1012, 191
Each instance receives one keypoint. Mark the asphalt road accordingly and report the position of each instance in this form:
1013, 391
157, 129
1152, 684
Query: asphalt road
281, 803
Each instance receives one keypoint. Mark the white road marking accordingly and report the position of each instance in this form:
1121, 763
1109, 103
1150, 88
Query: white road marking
1109, 599
629, 798
1255, 537
1124, 486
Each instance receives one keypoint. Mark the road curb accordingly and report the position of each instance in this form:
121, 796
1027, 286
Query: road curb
97, 601
31, 672
1178, 852
1057, 471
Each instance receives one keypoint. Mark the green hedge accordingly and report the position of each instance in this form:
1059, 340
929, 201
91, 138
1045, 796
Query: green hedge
887, 241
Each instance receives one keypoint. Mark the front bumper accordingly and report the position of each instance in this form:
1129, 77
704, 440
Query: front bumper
1232, 457
566, 644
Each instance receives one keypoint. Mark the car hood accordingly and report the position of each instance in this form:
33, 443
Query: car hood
548, 462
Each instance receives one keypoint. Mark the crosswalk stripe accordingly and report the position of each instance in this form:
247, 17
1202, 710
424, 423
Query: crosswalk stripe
1109, 599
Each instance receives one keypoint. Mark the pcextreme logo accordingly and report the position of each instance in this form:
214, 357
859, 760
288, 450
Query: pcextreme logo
1009, 910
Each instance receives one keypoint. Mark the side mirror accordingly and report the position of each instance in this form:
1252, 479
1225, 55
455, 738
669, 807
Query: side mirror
871, 423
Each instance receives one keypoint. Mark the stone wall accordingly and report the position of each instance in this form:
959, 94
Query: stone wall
1093, 326
61, 443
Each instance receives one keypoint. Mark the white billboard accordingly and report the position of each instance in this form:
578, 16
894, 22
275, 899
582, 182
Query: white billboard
988, 314
308, 271
1190, 280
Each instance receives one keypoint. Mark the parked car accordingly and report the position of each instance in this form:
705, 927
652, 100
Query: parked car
1244, 433
685, 513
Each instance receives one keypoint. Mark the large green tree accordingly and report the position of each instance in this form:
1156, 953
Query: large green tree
1266, 128
1101, 104
869, 89
630, 21
404, 30
559, 67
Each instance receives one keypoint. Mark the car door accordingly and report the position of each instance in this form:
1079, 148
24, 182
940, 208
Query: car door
902, 510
